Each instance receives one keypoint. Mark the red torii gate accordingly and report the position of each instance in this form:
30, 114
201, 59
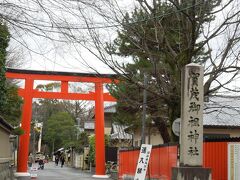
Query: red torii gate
28, 93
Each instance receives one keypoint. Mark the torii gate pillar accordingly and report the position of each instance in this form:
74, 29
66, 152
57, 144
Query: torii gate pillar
26, 126
99, 132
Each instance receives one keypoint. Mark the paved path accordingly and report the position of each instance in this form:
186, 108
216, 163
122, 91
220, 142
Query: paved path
52, 172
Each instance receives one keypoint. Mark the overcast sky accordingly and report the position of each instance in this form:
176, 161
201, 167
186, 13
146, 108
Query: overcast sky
40, 53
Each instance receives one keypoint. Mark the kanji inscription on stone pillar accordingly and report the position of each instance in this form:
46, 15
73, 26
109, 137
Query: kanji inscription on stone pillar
191, 139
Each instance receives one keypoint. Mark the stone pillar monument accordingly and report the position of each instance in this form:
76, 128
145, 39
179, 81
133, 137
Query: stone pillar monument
191, 132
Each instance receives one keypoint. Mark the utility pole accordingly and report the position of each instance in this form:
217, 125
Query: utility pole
144, 108
78, 127
40, 125
34, 140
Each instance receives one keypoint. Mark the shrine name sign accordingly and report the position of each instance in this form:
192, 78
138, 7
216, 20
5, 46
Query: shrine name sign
191, 136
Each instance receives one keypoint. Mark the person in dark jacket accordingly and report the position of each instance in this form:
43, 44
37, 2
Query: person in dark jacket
56, 159
62, 159
41, 164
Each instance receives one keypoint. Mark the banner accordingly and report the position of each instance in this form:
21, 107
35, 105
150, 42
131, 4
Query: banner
143, 160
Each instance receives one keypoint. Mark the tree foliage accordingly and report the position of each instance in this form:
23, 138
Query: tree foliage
12, 109
92, 146
10, 102
60, 130
43, 109
46, 107
79, 144
167, 36
4, 39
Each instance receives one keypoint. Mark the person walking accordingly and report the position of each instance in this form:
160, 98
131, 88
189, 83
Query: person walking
41, 164
30, 160
56, 159
62, 159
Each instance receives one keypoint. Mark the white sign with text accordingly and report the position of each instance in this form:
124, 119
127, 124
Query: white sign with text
143, 160
233, 161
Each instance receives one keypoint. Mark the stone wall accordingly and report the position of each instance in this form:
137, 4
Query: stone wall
6, 172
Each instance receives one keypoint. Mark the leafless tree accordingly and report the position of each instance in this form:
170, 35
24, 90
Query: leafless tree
91, 24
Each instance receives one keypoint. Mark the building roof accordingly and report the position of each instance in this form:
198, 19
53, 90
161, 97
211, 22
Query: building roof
119, 133
222, 111
4, 124
219, 112
110, 109
222, 139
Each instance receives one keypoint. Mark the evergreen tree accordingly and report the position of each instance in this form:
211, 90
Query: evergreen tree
161, 39
4, 39
60, 130
10, 102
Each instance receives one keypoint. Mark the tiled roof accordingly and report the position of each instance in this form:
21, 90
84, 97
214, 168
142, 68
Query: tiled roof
119, 133
110, 109
222, 139
5, 124
222, 111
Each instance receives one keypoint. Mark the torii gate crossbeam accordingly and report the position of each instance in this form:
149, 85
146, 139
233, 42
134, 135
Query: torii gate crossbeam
28, 93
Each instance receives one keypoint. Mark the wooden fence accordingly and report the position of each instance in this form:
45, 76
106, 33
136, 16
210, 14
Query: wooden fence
164, 157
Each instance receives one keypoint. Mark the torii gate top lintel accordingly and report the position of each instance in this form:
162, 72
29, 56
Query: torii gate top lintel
28, 93
60, 76
64, 77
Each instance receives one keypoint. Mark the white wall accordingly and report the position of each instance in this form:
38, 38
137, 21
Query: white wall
155, 137
5, 150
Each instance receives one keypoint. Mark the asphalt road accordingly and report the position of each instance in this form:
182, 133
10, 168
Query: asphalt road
52, 172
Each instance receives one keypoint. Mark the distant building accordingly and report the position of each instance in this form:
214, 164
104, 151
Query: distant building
89, 126
118, 136
109, 111
5, 150
152, 136
221, 119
